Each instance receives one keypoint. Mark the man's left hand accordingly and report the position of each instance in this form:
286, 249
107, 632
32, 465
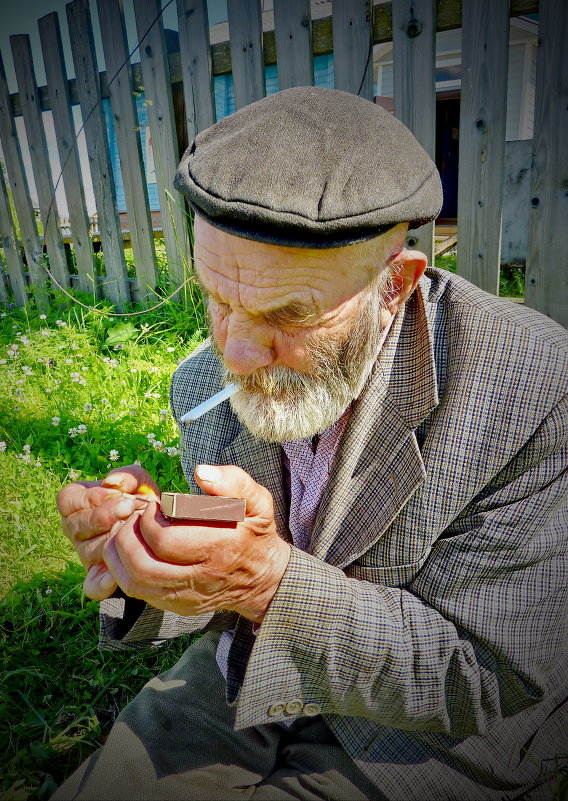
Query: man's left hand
192, 568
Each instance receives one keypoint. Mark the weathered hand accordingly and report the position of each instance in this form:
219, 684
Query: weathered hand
192, 568
90, 513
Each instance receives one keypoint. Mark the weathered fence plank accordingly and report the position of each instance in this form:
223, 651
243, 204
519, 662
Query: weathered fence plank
115, 286
20, 191
414, 75
293, 32
158, 92
546, 272
126, 126
58, 85
353, 46
39, 155
9, 241
485, 50
247, 58
196, 65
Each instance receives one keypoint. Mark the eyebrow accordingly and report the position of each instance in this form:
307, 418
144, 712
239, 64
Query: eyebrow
289, 313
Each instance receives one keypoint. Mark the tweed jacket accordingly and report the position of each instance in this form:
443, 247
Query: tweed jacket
428, 622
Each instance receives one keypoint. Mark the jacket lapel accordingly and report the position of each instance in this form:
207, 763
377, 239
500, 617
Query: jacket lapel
263, 461
379, 466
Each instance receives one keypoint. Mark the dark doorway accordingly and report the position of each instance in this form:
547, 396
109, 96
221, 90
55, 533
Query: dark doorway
447, 151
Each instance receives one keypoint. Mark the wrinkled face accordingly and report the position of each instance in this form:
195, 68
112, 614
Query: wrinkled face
296, 328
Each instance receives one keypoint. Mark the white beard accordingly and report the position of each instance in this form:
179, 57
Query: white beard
278, 404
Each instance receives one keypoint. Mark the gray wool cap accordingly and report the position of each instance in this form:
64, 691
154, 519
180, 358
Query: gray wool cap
309, 167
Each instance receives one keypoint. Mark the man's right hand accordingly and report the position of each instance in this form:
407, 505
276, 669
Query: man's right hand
90, 514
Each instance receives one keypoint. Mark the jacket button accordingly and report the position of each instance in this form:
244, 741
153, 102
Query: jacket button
276, 709
294, 706
311, 709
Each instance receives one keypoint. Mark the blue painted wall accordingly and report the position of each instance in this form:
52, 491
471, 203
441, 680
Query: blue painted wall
224, 105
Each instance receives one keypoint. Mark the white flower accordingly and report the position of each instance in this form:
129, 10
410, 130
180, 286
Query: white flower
25, 457
37, 463
88, 407
13, 347
60, 323
104, 400
113, 455
43, 317
3, 446
48, 591
172, 452
48, 389
112, 416
68, 361
73, 432
82, 382
55, 421
82, 428
44, 332
3, 361
150, 436
73, 474
27, 448
170, 350
158, 446
164, 414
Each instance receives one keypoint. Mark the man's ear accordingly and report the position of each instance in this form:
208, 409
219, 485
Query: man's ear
407, 268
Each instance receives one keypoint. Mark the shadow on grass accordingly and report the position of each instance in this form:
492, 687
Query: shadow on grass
59, 693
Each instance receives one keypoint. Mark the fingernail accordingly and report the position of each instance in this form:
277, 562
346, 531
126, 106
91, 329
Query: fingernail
208, 473
123, 509
106, 581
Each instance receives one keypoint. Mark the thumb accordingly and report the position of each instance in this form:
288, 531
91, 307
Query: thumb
233, 482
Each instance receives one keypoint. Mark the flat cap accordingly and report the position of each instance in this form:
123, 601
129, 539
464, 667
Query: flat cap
309, 167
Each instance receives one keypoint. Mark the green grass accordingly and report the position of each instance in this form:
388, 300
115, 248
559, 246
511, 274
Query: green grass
75, 387
511, 279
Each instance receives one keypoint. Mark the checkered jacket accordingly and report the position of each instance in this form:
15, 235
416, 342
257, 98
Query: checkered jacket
428, 623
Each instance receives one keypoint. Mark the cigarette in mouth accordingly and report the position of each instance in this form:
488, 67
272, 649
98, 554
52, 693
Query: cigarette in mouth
207, 405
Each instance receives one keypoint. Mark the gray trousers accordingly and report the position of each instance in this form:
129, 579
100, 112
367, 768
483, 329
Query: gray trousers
176, 740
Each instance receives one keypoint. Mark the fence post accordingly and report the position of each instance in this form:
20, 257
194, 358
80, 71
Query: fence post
485, 52
546, 272
414, 74
14, 263
56, 74
125, 117
353, 46
157, 88
196, 65
39, 154
247, 55
115, 285
20, 192
293, 33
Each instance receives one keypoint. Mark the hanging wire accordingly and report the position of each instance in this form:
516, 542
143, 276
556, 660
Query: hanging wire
50, 208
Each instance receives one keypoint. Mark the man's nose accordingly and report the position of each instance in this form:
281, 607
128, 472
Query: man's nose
247, 348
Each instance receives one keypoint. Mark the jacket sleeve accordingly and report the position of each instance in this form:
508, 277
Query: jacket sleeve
126, 623
470, 640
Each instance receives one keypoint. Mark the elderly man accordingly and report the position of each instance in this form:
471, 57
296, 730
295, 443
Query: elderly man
389, 620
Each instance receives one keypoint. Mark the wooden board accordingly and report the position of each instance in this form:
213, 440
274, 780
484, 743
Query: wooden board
352, 47
127, 129
414, 75
56, 74
20, 192
247, 59
485, 51
293, 33
9, 241
39, 155
158, 93
546, 273
96, 138
196, 65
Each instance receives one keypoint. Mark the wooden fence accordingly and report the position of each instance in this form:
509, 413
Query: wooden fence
184, 80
